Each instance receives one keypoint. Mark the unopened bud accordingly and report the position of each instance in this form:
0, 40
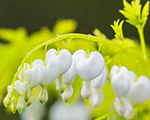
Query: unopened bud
7, 101
13, 105
21, 104
43, 96
27, 95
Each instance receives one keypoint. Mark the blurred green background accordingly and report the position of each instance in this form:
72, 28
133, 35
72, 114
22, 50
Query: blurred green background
33, 14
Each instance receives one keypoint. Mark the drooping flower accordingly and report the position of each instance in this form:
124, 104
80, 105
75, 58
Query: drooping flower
88, 68
63, 59
67, 79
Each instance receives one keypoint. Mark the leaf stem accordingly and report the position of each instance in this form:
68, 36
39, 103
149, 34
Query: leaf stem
106, 115
142, 39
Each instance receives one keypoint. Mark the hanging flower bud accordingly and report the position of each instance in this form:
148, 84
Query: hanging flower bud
27, 95
21, 87
88, 68
21, 105
51, 73
120, 81
43, 95
86, 89
96, 85
13, 105
7, 99
63, 59
139, 90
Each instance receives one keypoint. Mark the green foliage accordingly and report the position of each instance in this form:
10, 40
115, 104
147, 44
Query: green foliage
118, 29
133, 13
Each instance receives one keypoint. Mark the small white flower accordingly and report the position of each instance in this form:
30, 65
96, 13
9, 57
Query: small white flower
21, 87
88, 68
63, 59
139, 90
120, 81
32, 75
64, 84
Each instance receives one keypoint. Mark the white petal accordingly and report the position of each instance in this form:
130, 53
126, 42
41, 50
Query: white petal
129, 114
120, 82
100, 80
37, 74
64, 59
86, 90
88, 68
127, 104
114, 70
69, 76
67, 93
51, 73
139, 91
10, 90
132, 77
119, 107
96, 97
21, 87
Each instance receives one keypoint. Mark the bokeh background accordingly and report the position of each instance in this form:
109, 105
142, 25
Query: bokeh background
89, 14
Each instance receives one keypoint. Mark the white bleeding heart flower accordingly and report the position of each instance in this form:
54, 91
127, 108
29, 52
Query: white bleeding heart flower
86, 90
88, 68
139, 90
51, 72
96, 85
21, 87
33, 75
96, 97
63, 59
120, 81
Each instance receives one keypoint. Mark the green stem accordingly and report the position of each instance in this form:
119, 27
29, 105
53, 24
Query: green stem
106, 115
142, 39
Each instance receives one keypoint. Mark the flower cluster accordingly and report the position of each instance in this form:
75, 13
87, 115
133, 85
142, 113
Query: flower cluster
62, 67
129, 90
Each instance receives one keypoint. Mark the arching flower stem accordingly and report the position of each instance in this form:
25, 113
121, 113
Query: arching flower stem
83, 37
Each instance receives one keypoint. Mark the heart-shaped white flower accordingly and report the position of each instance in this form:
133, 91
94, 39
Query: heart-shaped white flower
21, 87
120, 81
140, 90
63, 59
88, 68
33, 75
51, 72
